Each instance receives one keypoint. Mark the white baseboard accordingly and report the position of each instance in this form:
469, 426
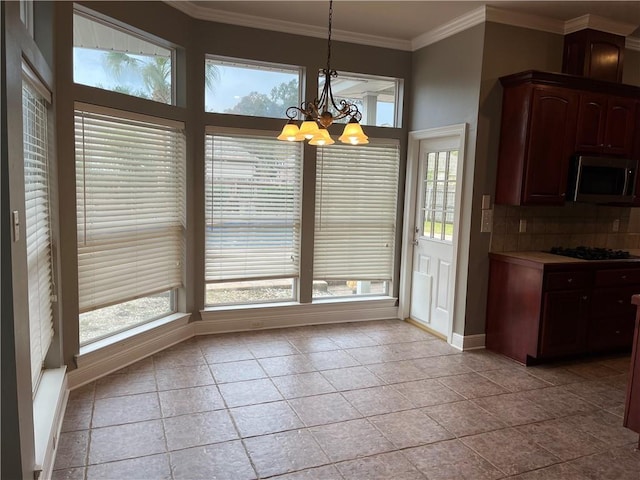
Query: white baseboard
468, 342
97, 363
103, 358
279, 316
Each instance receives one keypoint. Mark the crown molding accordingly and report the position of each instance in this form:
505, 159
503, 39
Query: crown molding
598, 23
252, 21
525, 20
457, 25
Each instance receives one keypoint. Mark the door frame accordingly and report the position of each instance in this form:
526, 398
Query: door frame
410, 198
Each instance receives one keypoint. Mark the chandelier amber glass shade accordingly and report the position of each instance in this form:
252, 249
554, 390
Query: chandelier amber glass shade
353, 134
290, 132
322, 138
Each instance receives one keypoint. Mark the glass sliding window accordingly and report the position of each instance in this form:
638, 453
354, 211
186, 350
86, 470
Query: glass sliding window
257, 89
130, 176
107, 57
252, 218
378, 98
355, 224
37, 169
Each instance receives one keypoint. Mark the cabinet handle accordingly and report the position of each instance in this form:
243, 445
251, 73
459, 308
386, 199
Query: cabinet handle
617, 332
623, 277
620, 302
569, 280
585, 297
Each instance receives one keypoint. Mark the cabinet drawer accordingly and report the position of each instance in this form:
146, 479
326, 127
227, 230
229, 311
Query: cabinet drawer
567, 280
622, 276
611, 333
608, 302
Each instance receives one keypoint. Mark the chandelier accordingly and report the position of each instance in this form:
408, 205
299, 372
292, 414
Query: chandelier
320, 113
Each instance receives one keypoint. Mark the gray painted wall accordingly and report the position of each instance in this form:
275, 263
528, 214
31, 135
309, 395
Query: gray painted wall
507, 50
445, 91
631, 67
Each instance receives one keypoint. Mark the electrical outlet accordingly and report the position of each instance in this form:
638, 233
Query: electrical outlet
522, 228
486, 202
487, 221
616, 225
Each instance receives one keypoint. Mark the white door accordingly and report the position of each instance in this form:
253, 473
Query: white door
433, 271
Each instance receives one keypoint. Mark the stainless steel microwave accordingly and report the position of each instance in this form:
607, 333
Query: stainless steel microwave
602, 179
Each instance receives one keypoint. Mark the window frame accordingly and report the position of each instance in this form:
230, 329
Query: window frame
395, 143
259, 65
134, 32
271, 135
30, 79
398, 96
126, 116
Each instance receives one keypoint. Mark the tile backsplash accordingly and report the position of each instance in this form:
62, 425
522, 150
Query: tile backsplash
568, 226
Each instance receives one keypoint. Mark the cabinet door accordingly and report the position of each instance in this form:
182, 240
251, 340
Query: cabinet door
605, 124
564, 323
592, 116
550, 145
619, 126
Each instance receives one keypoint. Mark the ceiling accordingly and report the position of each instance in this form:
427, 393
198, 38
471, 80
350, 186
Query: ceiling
405, 22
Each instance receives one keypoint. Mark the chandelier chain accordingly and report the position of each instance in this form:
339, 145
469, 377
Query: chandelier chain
329, 36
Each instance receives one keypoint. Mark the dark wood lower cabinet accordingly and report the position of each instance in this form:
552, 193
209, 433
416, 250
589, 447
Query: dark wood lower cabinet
564, 331
539, 310
632, 407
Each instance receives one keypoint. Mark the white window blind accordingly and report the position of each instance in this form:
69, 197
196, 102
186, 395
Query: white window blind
253, 197
130, 176
356, 199
38, 234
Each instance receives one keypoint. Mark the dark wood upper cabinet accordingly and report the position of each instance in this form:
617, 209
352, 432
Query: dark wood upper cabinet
594, 54
537, 140
605, 125
549, 117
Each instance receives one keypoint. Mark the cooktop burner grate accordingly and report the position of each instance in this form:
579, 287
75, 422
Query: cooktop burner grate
591, 253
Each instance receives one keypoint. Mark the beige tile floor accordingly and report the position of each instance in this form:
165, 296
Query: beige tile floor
373, 400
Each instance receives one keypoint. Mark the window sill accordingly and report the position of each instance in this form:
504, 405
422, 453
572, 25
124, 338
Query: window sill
175, 319
48, 410
110, 354
263, 316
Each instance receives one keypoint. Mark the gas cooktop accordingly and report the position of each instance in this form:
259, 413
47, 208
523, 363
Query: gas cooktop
591, 253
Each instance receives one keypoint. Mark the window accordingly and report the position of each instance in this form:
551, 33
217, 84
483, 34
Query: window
130, 175
250, 88
355, 224
107, 57
252, 238
439, 195
36, 138
377, 98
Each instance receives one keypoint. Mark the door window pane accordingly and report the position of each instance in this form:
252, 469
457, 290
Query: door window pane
439, 193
